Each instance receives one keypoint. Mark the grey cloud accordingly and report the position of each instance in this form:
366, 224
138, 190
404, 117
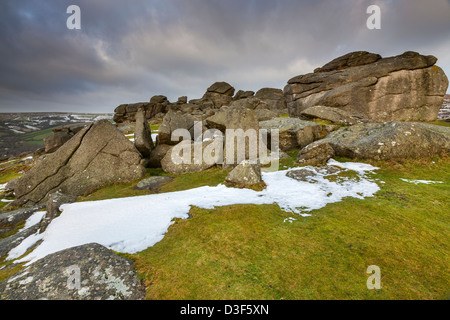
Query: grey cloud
129, 51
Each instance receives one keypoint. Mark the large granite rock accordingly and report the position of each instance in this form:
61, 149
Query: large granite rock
245, 174
143, 135
335, 115
218, 94
242, 136
408, 87
127, 112
172, 121
96, 155
189, 156
54, 141
292, 132
273, 97
380, 141
88, 272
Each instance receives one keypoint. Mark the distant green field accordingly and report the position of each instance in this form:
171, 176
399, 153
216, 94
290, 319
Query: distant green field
36, 137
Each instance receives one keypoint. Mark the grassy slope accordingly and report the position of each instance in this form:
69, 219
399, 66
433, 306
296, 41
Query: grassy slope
249, 252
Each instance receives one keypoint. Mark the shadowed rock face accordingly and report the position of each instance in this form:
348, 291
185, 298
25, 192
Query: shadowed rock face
143, 135
96, 155
103, 275
408, 87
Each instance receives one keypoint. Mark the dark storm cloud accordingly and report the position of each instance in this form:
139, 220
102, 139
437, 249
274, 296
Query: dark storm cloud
129, 51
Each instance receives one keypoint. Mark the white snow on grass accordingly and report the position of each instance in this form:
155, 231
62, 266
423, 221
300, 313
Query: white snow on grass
2, 187
18, 251
130, 225
34, 219
421, 181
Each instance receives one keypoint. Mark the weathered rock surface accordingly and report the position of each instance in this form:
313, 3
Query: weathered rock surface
173, 121
127, 112
273, 97
265, 114
334, 115
96, 155
103, 275
219, 94
241, 94
157, 155
444, 113
316, 154
9, 243
143, 135
54, 141
217, 121
408, 87
242, 136
152, 183
381, 141
352, 59
54, 201
245, 174
8, 220
308, 174
293, 132
189, 156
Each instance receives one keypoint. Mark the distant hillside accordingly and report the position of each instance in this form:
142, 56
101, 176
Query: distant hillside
24, 132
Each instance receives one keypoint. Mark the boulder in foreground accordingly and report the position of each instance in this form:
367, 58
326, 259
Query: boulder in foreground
96, 155
103, 275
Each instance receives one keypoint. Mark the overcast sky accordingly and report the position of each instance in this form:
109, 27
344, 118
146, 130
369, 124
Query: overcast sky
128, 51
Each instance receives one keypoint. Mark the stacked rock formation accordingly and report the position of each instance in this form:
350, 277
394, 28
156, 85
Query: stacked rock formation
368, 88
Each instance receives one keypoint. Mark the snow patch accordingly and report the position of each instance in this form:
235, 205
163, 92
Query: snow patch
130, 225
421, 181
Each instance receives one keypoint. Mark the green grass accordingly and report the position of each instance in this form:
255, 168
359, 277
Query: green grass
248, 252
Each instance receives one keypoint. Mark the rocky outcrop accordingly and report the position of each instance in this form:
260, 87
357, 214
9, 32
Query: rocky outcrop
54, 141
408, 87
219, 94
292, 132
54, 201
273, 97
380, 141
189, 156
157, 155
335, 115
265, 99
88, 272
127, 112
143, 135
97, 155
